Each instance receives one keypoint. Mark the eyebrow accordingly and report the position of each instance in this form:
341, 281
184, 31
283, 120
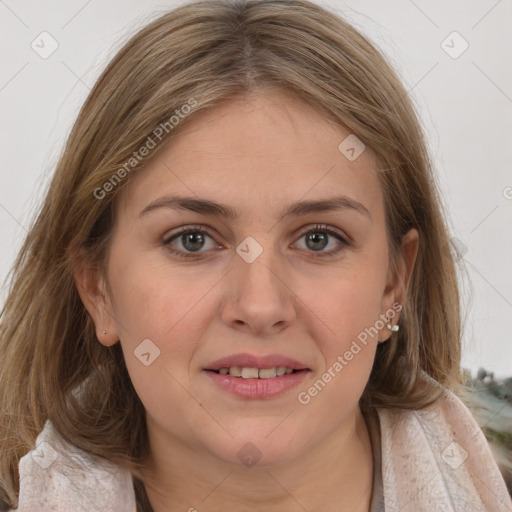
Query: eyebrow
299, 208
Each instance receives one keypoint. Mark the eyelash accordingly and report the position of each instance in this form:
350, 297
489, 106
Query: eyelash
323, 228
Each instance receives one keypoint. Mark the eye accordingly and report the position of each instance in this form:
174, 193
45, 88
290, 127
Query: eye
191, 238
317, 238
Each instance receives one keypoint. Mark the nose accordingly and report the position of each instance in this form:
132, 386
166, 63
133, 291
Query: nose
258, 300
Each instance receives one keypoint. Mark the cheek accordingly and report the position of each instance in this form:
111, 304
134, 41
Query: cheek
345, 323
348, 304
154, 298
347, 339
171, 309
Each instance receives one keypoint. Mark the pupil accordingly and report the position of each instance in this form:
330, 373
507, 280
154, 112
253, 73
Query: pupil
316, 238
196, 239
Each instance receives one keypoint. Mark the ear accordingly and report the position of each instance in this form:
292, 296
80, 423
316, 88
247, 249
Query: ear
398, 278
91, 286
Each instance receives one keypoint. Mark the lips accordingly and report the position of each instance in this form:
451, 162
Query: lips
254, 377
253, 361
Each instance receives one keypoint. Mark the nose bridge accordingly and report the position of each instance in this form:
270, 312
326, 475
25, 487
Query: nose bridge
259, 295
258, 269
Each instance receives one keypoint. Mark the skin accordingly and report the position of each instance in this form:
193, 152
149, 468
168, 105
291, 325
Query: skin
257, 155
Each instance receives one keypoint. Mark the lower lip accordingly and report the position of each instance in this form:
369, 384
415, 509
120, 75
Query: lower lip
257, 388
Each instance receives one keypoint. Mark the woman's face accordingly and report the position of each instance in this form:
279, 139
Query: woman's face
261, 287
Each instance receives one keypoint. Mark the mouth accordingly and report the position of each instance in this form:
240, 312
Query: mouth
246, 372
255, 377
249, 366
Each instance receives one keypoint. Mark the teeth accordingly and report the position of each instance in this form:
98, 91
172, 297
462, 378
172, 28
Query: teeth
280, 370
267, 373
235, 371
249, 373
255, 373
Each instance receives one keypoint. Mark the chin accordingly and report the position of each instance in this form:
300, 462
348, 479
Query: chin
256, 451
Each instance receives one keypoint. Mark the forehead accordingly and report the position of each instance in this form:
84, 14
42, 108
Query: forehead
260, 150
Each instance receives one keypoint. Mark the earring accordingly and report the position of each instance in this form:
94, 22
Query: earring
392, 328
104, 332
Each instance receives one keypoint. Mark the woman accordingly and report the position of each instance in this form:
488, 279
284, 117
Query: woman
239, 291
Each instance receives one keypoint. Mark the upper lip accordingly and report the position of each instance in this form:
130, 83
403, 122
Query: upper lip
252, 361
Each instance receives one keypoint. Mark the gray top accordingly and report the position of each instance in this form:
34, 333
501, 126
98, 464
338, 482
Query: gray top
372, 422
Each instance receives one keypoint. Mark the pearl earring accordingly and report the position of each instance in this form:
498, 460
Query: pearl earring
392, 328
104, 332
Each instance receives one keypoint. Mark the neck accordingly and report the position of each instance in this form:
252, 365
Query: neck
333, 476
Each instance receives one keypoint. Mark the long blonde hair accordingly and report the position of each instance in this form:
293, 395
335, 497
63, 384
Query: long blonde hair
208, 51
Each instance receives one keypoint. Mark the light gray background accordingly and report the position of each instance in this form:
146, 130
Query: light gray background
465, 104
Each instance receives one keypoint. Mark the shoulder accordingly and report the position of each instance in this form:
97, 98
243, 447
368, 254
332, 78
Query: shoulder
438, 457
58, 476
